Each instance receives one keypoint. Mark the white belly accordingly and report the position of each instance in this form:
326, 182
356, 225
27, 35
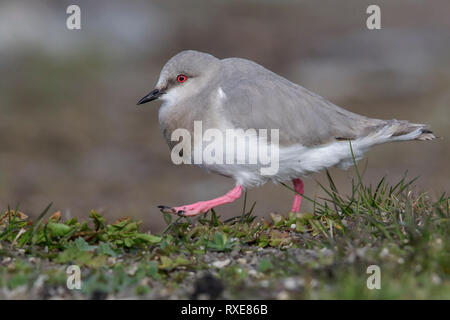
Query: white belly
294, 162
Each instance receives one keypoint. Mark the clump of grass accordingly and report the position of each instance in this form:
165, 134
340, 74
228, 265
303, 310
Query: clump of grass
53, 233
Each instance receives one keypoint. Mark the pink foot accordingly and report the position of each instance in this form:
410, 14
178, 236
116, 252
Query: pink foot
204, 206
298, 187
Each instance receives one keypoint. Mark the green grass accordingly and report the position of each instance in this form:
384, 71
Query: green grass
321, 254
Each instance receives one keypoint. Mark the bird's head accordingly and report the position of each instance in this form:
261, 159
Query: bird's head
183, 75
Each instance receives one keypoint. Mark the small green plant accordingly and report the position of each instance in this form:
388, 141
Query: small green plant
220, 242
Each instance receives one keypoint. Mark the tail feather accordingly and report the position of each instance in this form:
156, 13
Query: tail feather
386, 131
426, 135
403, 130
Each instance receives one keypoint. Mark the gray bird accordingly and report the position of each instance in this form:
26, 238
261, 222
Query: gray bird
231, 94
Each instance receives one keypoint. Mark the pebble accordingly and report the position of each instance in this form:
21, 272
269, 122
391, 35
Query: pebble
39, 283
132, 269
384, 252
235, 253
111, 260
292, 283
6, 260
283, 295
253, 273
221, 263
436, 279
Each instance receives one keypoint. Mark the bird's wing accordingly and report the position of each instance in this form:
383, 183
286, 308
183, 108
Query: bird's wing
260, 99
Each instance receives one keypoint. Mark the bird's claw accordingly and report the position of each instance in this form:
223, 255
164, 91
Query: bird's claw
167, 209
181, 213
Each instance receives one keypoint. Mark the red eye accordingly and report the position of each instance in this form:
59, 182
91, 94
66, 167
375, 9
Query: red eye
181, 78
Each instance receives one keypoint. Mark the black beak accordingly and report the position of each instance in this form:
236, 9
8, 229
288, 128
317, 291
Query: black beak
155, 94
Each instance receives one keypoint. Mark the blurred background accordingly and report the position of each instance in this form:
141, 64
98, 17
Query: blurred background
71, 133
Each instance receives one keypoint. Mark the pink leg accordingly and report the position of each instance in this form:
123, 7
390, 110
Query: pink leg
298, 187
204, 206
